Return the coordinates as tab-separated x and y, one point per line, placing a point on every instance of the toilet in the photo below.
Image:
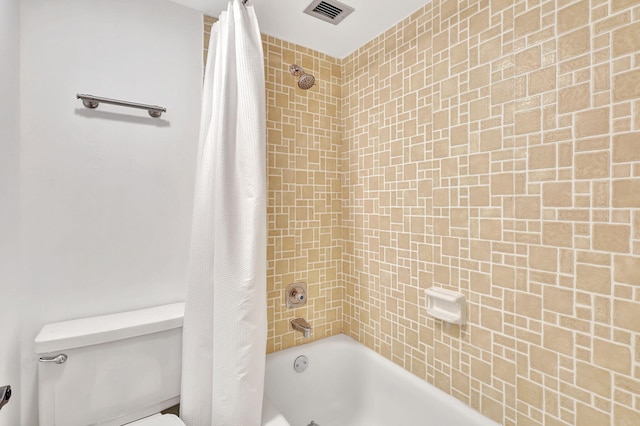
111	370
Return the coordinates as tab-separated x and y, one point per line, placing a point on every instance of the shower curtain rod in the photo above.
92	102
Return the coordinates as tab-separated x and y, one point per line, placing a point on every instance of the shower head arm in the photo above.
305	81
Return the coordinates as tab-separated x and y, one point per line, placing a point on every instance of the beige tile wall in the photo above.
493	147
304	143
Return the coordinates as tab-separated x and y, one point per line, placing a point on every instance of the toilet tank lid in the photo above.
77	333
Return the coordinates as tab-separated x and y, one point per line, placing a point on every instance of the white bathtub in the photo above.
347	384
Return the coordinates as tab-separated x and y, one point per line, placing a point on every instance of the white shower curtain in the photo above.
225	327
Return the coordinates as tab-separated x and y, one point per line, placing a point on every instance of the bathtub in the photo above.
347	384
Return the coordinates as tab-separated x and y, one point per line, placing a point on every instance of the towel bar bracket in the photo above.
90	104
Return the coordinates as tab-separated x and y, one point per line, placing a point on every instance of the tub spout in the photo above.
299	324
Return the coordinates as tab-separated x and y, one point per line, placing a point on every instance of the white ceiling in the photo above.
285	20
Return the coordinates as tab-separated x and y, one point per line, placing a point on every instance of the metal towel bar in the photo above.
91	101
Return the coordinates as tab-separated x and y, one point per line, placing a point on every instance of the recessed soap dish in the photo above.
447	305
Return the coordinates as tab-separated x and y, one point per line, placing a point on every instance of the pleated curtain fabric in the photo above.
225	326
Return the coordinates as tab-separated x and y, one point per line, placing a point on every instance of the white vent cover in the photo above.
328	10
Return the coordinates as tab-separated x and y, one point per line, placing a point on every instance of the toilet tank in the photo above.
119	368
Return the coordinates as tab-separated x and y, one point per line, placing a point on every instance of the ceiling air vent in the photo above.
328	10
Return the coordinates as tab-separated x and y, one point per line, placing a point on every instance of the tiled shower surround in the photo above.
304	145
488	147
493	148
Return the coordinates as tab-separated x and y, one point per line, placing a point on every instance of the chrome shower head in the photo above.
305	81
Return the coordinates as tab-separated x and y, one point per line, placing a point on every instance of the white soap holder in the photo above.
449	306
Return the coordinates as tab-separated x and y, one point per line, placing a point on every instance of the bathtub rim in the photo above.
343	339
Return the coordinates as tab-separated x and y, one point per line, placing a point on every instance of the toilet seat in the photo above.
158	420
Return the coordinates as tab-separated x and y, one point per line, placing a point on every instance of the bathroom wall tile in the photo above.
557	194
574	43
528	122
529	393
617	5
529	305
479	196
626	193
558	340
528	207
626	416
626	40
559	234
626	147
542	156
626	315
612	356
558	300
527	22
542	80
543	360
626	86
573	16
592	165
611	238
588	415
490	229
528	60
627	269
592	122
479	164
574	98
593	279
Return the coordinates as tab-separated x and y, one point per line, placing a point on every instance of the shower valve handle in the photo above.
297	295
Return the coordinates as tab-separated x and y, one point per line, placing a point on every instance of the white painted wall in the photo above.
106	194
9	179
